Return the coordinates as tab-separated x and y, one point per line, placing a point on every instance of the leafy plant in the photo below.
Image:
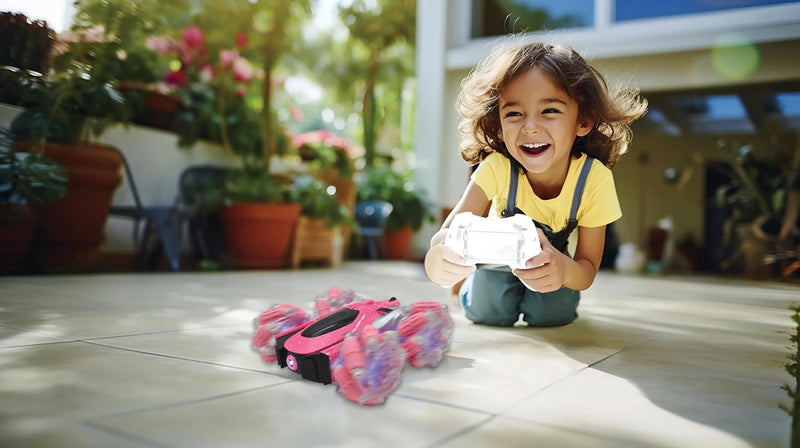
58	108
410	206
26	43
26	179
82	83
325	151
252	185
318	203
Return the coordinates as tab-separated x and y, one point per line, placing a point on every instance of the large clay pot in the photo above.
15	241
398	243
70	231
259	234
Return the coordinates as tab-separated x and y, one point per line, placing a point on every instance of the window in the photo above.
740	111
637	9
498	17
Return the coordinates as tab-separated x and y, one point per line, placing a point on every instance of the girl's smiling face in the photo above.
539	123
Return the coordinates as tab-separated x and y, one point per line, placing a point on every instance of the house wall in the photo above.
653	55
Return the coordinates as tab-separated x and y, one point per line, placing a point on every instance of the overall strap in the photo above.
578	194
511	203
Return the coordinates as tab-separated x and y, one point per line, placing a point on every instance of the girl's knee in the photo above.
491	319
554	309
483	308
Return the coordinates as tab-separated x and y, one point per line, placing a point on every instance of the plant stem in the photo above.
223	123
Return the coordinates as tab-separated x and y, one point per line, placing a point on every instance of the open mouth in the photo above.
534	149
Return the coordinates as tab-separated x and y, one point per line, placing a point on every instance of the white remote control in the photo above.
511	241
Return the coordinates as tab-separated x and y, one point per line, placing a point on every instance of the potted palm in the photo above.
410	205
25	180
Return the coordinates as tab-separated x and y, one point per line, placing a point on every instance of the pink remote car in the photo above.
360	345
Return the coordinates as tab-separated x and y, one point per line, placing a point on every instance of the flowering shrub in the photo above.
213	87
324	149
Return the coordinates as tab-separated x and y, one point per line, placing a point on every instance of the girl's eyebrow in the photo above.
544	101
554	100
509	104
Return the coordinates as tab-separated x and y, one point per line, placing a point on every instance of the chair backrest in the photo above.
197	179
372	214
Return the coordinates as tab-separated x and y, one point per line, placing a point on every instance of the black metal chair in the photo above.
150	221
371	217
205	229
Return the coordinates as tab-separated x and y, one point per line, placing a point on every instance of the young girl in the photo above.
546	131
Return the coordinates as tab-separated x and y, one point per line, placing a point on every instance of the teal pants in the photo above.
497	297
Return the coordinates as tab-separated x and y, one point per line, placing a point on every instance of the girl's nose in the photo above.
529	130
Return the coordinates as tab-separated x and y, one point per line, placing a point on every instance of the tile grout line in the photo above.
124	435
577	371
462	432
492	416
164	355
191	402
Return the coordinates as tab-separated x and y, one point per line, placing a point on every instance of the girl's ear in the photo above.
585	126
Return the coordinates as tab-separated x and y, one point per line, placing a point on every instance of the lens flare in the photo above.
734	56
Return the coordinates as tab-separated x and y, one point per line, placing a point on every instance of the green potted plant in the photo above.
410	209
259	214
25	179
324	221
137	66
329	158
64	112
256	207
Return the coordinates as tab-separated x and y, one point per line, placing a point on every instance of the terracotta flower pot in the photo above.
69	231
398	244
259	234
15	241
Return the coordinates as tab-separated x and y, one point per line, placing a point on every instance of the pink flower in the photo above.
193	36
226	59
207	73
322	136
241	40
242	71
240	91
175	78
161	45
296	113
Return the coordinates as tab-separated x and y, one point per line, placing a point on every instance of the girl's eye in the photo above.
512	114
550	111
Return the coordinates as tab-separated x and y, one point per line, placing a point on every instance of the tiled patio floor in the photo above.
152	360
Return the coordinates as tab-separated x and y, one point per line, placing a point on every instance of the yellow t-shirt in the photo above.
599	205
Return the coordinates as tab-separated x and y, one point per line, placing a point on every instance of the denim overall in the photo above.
495	296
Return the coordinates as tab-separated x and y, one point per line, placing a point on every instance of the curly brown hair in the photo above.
610	111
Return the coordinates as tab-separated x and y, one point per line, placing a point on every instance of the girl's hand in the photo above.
544	272
445	267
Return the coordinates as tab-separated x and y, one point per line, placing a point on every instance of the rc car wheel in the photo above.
334	299
426	334
367	368
273	322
